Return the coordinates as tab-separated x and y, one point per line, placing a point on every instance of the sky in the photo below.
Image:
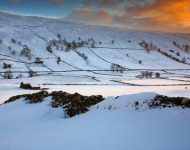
161	15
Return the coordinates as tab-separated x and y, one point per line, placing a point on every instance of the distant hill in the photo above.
43	44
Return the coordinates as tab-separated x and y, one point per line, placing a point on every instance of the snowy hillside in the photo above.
75	53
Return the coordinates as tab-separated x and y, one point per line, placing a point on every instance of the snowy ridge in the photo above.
76	104
23	125
137	101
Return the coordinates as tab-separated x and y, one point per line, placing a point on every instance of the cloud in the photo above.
15	1
176	11
161	14
87	3
57	2
102	3
170	15
110	3
123	21
100	17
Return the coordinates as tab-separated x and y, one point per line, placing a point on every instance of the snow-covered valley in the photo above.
124	66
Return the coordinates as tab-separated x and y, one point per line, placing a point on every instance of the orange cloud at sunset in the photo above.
164	15
170	15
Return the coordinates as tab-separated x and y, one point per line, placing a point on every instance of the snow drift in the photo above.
39	126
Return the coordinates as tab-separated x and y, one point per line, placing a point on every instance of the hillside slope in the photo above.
64	46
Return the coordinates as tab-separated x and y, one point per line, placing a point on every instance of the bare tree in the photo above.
58	60
150	74
8	75
68	47
121	69
177	53
116	67
187	47
157	75
49	49
146	74
32	73
13	52
112	67
26	52
143	74
37	59
74	45
59	36
92	45
19	76
183	60
5	66
13	40
9	47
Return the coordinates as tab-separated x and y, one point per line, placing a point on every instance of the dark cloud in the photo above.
87	3
110	3
102	3
123	21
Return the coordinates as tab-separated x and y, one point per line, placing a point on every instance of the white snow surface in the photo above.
36	32
113	124
39	126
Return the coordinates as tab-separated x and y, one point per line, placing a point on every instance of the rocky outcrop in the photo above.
37	97
13	98
164	101
73	104
32	98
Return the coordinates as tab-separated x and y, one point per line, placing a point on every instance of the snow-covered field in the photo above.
156	82
87	70
6	91
38	126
